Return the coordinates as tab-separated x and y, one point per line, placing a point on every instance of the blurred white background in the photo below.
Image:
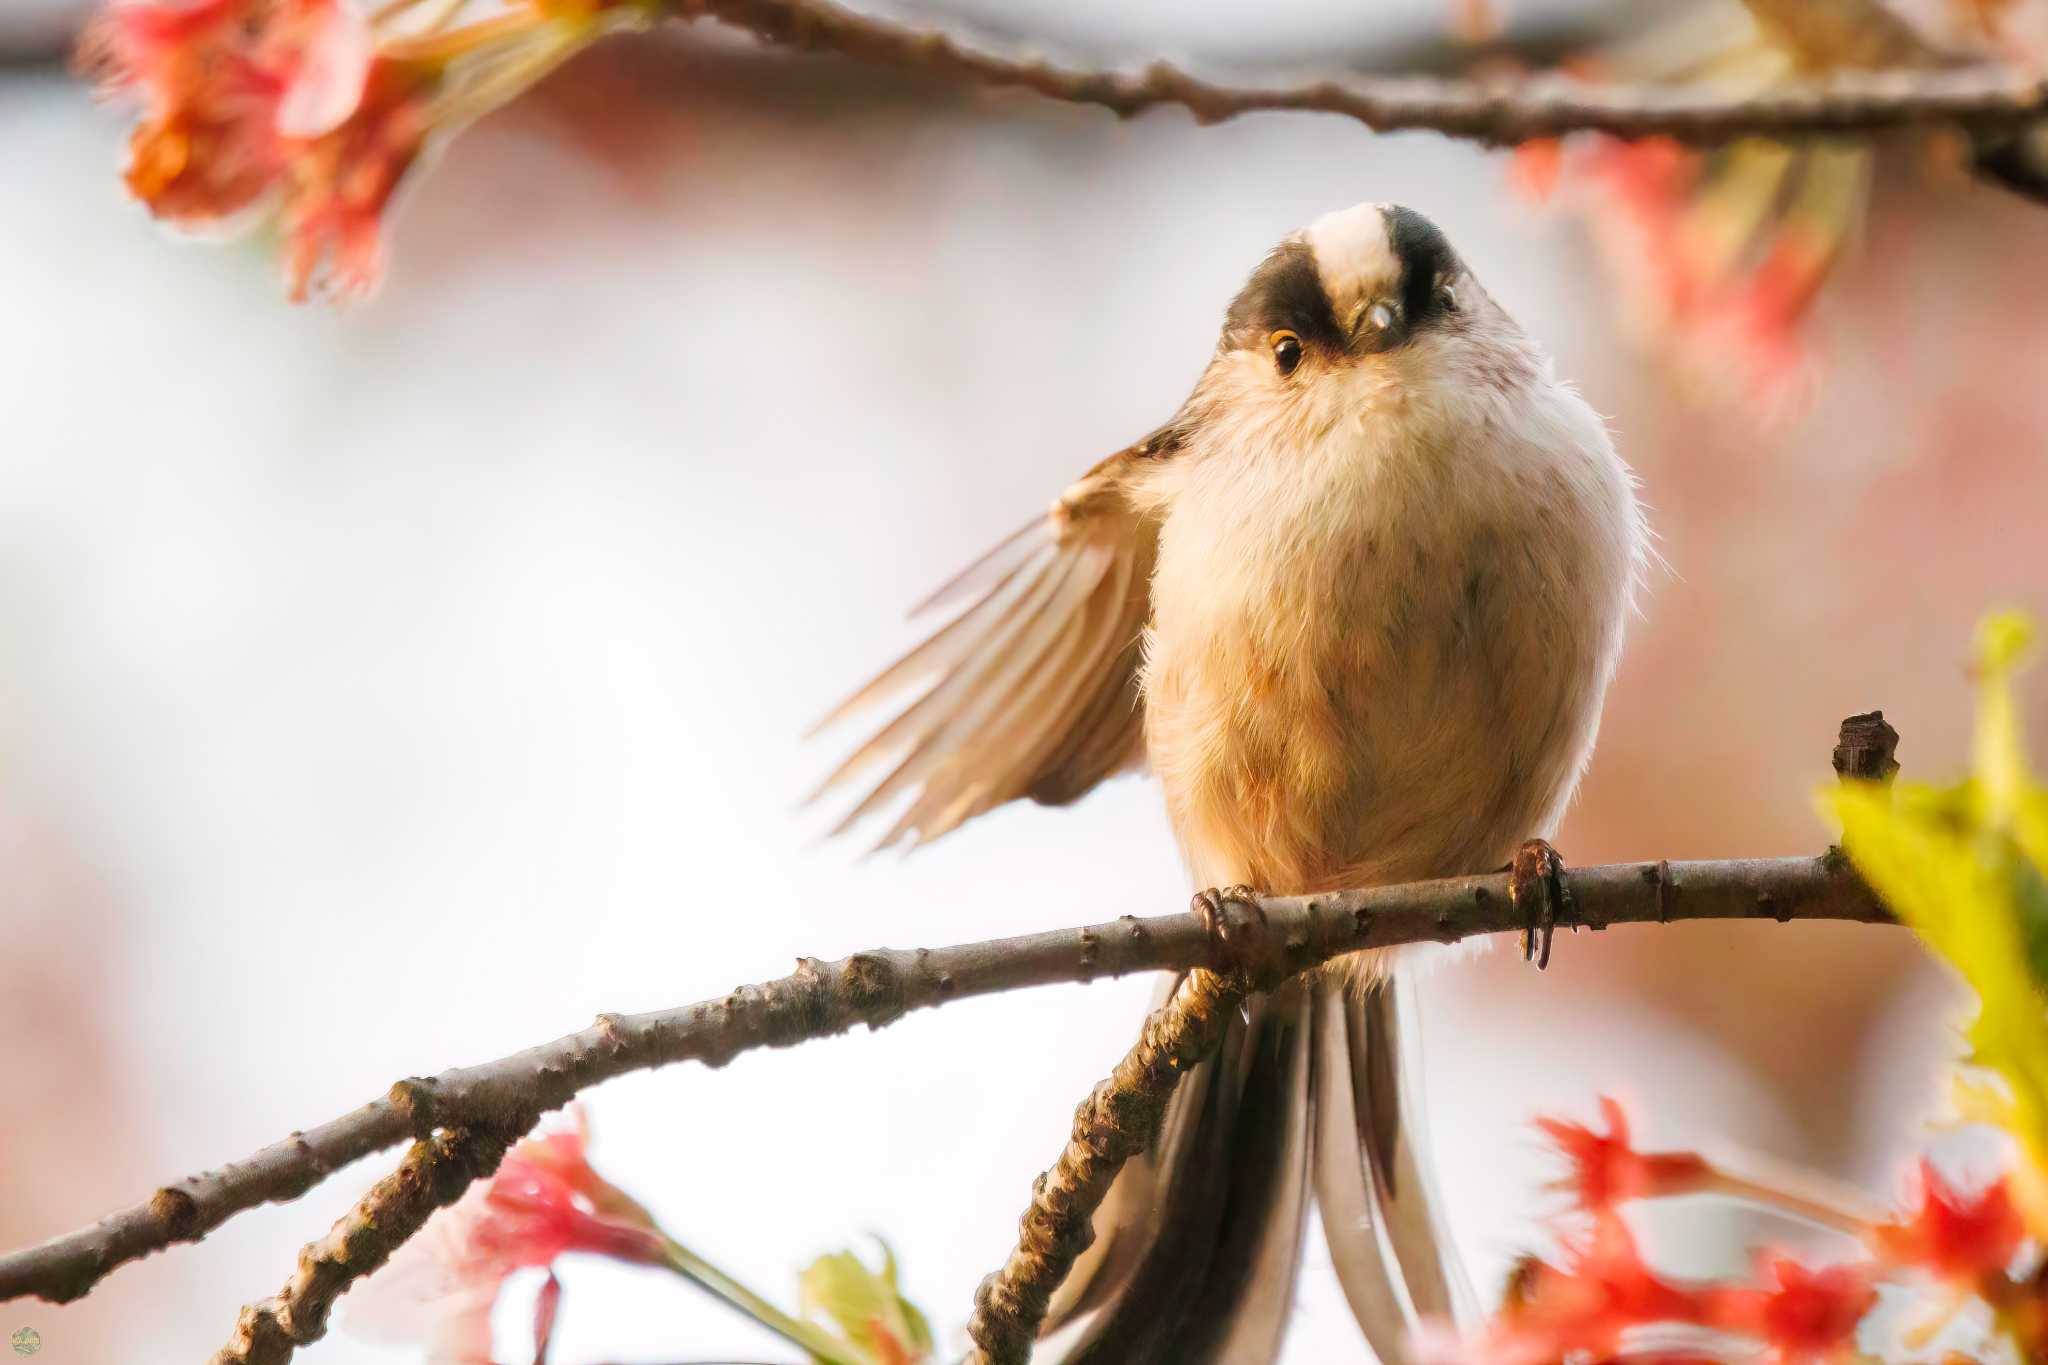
395	687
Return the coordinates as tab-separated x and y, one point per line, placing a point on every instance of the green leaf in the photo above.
2030	904
1967	866
865	1305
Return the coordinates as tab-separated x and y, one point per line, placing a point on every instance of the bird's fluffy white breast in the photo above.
1400	601
1251	509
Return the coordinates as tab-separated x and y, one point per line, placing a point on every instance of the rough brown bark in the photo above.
877	988
433	1174
1867	749
1116	1122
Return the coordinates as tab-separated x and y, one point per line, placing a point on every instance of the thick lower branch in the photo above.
877	988
1118	1120
1985	99
434	1174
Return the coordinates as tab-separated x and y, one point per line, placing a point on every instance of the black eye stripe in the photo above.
1426	261
1284	294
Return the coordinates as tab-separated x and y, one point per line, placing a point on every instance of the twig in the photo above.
1116	1122
1982	98
1867	749
434	1173
877	988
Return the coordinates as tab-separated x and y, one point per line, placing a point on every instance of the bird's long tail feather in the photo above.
1199	1242
1381	1213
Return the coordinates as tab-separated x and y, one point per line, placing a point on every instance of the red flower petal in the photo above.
546	1306
1955	1236
333	67
544	1202
1607	1170
1585	1307
341	184
1805	1317
1535	168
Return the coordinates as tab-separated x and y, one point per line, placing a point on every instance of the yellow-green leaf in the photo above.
1967	866
866	1306
2003	642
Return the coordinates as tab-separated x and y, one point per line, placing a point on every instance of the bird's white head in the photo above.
1366	312
1355	285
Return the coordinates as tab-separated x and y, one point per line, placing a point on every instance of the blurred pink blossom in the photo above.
545	1202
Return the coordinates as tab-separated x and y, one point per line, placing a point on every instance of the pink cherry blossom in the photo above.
544	1202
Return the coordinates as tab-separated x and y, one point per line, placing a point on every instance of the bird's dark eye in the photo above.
1286	351
1448	297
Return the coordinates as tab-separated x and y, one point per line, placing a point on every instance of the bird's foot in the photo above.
1231	914
1537	885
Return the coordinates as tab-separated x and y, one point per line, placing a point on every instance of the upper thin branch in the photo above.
876	988
1984	99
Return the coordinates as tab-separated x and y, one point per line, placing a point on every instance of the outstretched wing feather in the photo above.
937	652
1034	721
958	701
1030	690
969	742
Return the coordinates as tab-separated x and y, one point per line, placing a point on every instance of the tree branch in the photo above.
434	1174
1982	98
1122	1115
1118	1120
877	988
1867	749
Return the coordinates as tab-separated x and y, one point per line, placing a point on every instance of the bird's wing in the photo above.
1031	689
